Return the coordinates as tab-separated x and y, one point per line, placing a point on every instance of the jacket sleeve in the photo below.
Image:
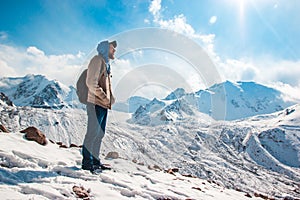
96	69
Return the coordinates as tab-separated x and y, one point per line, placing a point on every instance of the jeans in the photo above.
97	117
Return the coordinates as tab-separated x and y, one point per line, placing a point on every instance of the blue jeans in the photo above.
97	117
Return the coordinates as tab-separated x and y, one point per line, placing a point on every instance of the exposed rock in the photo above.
63	146
5	99
112	155
154	167
263	196
197	188
172	171
32	133
81	192
74	145
3	129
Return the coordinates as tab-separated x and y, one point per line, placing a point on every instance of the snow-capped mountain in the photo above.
178	93
224	101
239	100
131	105
37	91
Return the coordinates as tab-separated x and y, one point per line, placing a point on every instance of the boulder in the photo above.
81	192
32	133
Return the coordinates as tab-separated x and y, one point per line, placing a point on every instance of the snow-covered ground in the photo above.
259	155
31	171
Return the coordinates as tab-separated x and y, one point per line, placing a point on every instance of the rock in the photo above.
81	192
112	155
5	99
74	145
154	167
3	129
172	171
63	146
32	133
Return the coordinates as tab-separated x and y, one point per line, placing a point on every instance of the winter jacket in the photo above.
98	83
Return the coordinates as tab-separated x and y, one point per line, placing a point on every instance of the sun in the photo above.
240	7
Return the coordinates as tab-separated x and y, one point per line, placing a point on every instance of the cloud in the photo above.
281	75
154	8
289	93
35	51
179	24
235	70
5	69
279	71
264	71
16	62
213	19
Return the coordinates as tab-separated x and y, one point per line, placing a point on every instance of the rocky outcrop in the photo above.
32	133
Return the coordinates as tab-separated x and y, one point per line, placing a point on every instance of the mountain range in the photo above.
223	101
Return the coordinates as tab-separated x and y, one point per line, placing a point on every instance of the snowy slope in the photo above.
31	171
251	155
225	152
64	125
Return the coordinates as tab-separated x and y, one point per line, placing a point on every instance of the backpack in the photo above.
81	88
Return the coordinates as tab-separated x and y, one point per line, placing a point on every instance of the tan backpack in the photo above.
81	88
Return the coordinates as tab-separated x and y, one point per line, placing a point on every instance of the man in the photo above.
99	99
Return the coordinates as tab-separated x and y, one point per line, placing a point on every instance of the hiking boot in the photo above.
96	170
86	167
99	168
105	167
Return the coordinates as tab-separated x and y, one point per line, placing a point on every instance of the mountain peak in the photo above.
176	94
38	91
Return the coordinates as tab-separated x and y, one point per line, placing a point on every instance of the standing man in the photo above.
100	99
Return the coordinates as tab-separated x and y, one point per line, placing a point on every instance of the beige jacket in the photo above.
99	84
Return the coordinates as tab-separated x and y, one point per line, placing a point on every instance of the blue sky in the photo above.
251	40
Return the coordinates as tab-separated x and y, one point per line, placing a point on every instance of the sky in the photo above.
245	40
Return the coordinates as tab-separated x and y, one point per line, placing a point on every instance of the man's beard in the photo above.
111	56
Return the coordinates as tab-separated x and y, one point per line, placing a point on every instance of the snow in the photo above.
229	158
31	171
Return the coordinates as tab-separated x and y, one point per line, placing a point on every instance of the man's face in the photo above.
111	53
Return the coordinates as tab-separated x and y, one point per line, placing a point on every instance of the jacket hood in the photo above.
103	48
